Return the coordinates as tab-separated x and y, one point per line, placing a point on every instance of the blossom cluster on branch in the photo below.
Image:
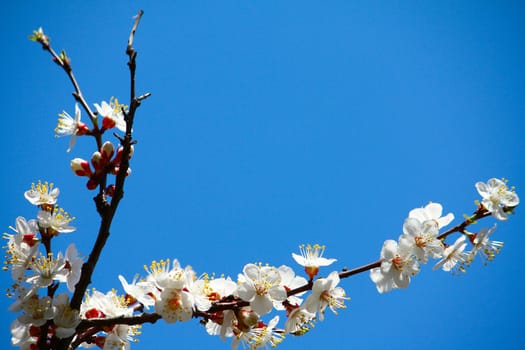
257	309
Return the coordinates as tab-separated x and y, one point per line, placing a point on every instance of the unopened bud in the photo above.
66	61
80	167
247	318
39	36
98	161
107	150
92	184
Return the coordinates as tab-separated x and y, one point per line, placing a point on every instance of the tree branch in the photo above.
107	212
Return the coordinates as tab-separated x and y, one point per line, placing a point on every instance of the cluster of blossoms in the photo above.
227	308
103	163
241	309
105	160
421	239
48	318
236	310
112	114
33	270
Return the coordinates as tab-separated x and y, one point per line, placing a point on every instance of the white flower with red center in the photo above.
261	286
483	246
112	114
290	281
496	196
142	291
300	321
223	324
423	238
432	211
312	258
21	247
46	270
65	318
100	305
118	339
69	126
73	265
198	290
162	276
220	288
454	256
42	194
57	221
261	336
21	336
325	293
36	310
397	266
109	305
174	305
220	322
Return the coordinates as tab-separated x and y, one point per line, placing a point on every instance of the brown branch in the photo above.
480	213
63	61
109	211
79	97
360	269
106	211
88	328
101	323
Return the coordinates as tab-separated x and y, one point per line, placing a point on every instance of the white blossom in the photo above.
496	195
312	258
42	193
65	318
261	286
453	255
325	293
36	310
69	126
397	267
432	211
299	321
57	220
483	245
422	237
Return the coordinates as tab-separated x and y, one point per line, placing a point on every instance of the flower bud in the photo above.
98	161
92	184
80	167
39	36
247	318
107	150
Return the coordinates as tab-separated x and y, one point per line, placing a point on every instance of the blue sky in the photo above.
276	123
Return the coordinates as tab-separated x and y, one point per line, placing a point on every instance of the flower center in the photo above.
311	271
420	241
398	262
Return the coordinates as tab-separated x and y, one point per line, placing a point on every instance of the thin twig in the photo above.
107	218
79	97
107	212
